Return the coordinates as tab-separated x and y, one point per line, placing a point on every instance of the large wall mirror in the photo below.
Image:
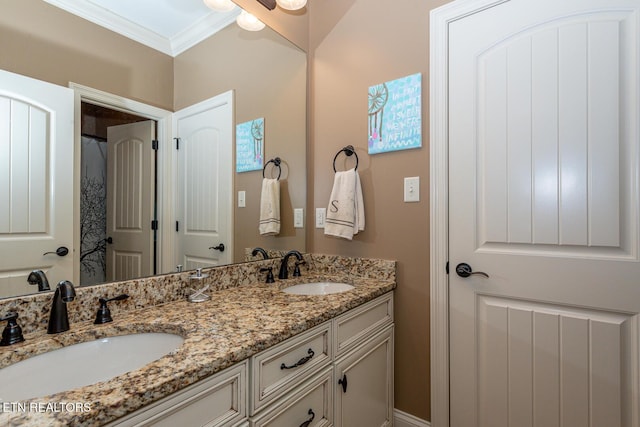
268	77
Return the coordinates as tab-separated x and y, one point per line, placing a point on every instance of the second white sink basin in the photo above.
318	288
83	364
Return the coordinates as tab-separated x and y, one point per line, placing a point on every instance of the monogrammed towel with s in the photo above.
345	214
270	207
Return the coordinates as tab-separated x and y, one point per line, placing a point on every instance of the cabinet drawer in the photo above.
356	325
313	400
282	367
216	401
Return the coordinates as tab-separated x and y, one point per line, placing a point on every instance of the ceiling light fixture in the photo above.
249	22
220	5
291	4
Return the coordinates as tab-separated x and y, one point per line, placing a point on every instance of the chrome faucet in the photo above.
37	277
59	317
284	271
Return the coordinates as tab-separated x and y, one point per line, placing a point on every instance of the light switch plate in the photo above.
321	214
412	189
242	199
298	218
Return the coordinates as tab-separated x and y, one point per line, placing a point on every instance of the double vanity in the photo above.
314	350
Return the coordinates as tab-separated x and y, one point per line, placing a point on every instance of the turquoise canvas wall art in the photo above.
395	115
250	145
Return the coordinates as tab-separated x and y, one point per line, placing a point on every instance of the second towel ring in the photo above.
276	162
349	151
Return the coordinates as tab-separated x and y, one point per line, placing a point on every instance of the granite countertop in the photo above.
233	325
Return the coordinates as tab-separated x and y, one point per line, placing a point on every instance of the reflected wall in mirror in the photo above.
265	71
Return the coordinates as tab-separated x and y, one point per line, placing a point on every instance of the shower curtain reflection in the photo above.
93	210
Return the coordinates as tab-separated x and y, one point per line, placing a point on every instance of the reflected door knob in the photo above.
464	270
61	251
220	247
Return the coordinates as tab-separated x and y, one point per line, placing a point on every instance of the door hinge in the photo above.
154	224
154	144
177	225
177	143
447	267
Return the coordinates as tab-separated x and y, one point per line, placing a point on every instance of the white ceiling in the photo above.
170	26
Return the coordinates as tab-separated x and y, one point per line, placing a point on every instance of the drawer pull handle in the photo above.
299	362
343	383
306	423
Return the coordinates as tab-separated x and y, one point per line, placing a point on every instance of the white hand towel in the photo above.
270	207
345	214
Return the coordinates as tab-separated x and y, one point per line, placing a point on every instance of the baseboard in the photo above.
402	419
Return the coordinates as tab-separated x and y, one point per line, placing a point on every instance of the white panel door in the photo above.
130	200
544	195
204	134
36	181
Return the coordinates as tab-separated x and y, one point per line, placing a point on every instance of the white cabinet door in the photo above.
364	384
204	213
36	181
543	196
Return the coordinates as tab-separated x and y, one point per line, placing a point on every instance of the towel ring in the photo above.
276	162
349	151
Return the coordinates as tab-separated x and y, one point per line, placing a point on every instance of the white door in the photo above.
543	197
130	200
36	182
204	137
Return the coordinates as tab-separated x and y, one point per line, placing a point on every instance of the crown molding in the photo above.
201	30
191	36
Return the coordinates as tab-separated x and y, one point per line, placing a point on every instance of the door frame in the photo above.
165	214
440	19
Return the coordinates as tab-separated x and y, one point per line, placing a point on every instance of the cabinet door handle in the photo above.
306	423
299	362
343	382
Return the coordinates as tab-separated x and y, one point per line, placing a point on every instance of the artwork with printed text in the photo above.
250	145
395	115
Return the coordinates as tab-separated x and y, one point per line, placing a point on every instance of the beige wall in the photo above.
355	44
47	43
268	76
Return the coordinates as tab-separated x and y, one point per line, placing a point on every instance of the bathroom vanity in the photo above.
339	373
252	355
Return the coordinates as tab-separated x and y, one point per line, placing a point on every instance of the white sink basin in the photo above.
83	364
318	288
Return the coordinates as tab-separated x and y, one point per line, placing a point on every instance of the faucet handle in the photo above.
12	333
296	270
270	278
104	314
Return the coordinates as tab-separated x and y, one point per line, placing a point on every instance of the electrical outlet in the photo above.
321	214
412	189
242	199
298	218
